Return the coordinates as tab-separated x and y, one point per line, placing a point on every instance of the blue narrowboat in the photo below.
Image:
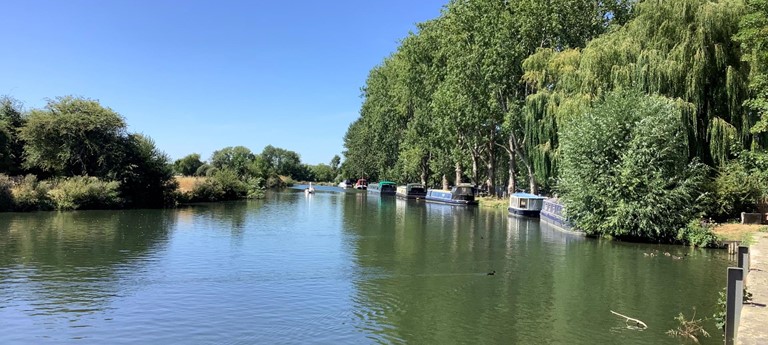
553	212
524	204
462	194
412	191
383	188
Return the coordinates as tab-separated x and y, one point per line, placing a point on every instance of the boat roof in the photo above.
386	182
527	196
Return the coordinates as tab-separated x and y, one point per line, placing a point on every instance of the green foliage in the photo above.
11	146
688	329
6	196
624	169
322	172
740	185
697	234
85	193
32	195
222	185
236	159
188	165
73	136
146	177
753	36
282	162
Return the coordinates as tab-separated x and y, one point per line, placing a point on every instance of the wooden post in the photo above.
743	260
733	302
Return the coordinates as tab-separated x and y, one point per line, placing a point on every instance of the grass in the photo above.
493	202
738	232
188	183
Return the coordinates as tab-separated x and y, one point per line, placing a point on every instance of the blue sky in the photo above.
197	76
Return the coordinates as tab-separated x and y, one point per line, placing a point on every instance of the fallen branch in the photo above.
636	321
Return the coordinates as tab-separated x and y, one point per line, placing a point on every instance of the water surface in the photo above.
336	267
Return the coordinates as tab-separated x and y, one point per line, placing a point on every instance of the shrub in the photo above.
83	192
31	195
6	197
697	234
625	172
223	185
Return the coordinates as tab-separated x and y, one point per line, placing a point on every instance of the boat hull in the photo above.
451	201
523	213
411	196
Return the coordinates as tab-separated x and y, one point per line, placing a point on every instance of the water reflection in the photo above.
70	265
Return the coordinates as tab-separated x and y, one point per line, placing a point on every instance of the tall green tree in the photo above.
188	165
238	159
753	36
11	146
73	136
145	174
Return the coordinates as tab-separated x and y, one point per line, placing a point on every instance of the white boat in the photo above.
310	190
346	184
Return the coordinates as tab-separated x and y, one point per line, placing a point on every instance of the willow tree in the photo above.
753	35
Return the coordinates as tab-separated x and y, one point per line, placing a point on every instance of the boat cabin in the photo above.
412	191
524	204
361	184
383	187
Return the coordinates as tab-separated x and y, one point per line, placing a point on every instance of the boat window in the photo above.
523	203
464	191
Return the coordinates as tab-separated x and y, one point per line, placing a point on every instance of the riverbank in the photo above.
492	202
739	232
754	316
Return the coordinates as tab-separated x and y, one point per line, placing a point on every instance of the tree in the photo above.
282	161
335	162
625	169
323	172
238	159
188	165
11	146
74	136
753	36
146	175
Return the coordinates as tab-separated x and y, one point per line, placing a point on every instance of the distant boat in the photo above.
524	204
346	184
412	191
383	188
310	190
462	194
361	184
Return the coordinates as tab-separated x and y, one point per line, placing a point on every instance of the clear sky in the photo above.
197	76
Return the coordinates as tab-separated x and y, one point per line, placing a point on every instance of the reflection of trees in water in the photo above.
75	262
233	216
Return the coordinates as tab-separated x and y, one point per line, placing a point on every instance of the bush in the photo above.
32	195
6	197
82	192
740	185
625	172
697	234
223	185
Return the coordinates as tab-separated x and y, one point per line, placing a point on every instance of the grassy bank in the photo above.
493	202
739	232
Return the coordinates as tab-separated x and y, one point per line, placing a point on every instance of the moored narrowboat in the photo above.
412	191
346	184
553	212
361	184
525	204
462	194
383	188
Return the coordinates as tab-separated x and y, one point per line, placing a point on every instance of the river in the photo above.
337	267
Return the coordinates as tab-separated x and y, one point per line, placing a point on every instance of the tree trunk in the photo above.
458	173
532	180
511	185
445	182
491	165
424	169
474	168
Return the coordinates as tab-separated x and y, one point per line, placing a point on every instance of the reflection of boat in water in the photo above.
524	204
412	191
462	194
382	187
346	184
